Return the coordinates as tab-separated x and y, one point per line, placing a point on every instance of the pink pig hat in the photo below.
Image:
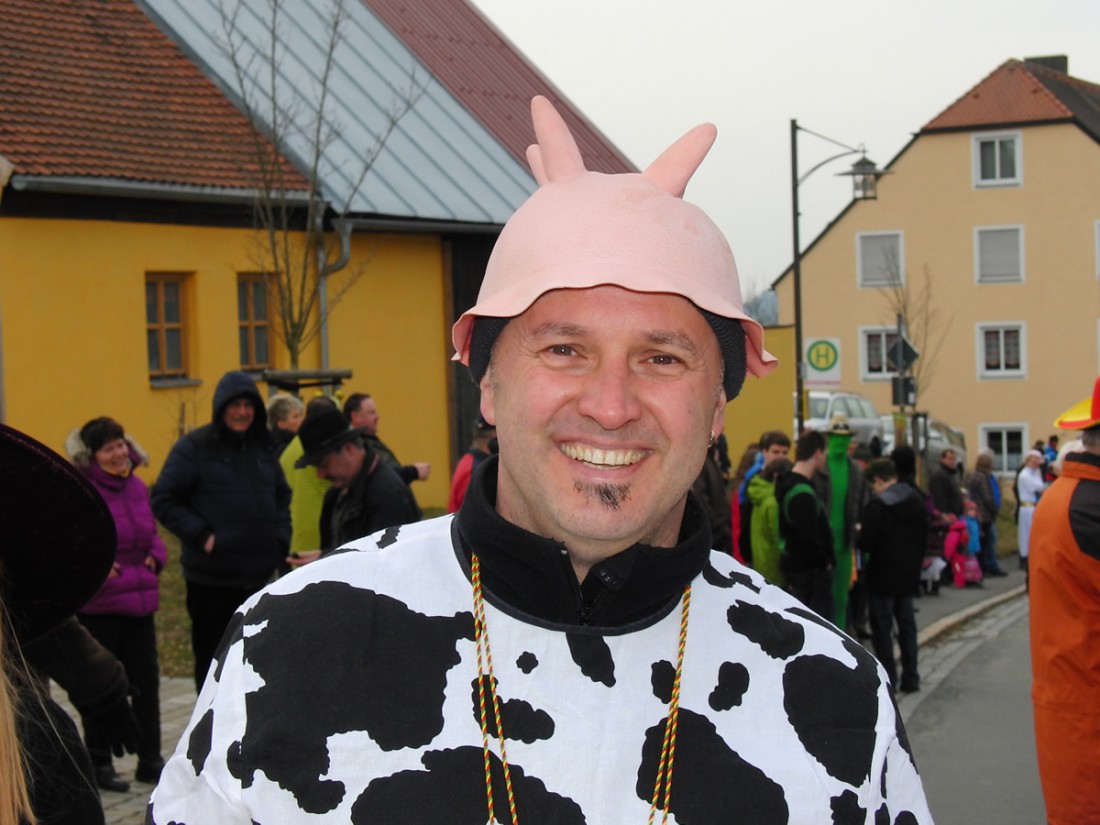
583	229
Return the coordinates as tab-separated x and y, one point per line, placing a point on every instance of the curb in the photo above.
933	631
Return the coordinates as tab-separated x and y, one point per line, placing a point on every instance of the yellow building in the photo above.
130	280
986	237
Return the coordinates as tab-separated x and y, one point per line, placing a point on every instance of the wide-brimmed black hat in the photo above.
57	537
323	433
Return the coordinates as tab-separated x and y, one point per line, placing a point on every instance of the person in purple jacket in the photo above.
120	615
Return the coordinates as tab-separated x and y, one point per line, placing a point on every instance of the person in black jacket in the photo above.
892	537
807	557
945	485
367	494
222	492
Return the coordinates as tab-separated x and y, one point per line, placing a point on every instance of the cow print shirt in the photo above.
347	692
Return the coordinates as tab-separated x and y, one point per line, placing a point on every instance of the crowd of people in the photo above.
261	489
855	536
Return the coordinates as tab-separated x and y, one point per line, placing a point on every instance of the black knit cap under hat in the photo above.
49	566
731	340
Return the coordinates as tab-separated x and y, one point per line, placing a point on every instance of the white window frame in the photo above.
985	326
1025	441
978	230
892	233
865	373
976	159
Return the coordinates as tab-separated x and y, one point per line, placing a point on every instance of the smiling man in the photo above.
567	643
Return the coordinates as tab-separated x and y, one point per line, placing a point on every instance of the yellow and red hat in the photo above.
1084	415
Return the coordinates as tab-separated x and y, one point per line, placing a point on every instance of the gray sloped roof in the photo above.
438	163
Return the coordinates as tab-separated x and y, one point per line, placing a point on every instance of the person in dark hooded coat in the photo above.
892	537
223	494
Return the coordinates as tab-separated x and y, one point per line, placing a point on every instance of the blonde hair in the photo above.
15	803
280	406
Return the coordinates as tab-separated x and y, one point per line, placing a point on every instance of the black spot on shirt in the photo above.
199	743
780	638
592	656
903	737
451	789
397	671
663	677
527	662
809	615
235	766
712	576
833	709
520	719
389	536
846	809
733	681
711	783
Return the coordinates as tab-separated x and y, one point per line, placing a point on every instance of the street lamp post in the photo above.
865	177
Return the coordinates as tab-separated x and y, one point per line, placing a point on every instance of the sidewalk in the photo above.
935	616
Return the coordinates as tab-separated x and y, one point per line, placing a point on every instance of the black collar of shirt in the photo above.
534	575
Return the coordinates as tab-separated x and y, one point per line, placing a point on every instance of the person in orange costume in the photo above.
1065	627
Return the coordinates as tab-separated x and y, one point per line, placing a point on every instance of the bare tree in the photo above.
292	247
913	299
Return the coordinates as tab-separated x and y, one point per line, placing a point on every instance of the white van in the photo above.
863	418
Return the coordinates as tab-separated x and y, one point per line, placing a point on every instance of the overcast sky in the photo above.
868	72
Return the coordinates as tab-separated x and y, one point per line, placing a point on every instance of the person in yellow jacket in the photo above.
1065	627
307	494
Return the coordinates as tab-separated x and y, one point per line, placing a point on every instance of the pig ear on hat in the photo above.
674	168
556	157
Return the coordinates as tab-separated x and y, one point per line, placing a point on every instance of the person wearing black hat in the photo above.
366	495
222	492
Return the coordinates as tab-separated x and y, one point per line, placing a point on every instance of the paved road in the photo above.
937	618
970	727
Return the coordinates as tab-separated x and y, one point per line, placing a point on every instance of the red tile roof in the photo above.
1020	92
91	88
489	75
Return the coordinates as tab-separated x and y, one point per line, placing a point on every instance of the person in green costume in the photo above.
846	498
764	524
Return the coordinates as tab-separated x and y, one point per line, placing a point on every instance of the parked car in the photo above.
863	418
940	436
936	437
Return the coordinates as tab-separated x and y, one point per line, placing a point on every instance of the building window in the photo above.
997	159
879	257
1006	442
999	254
252	314
1002	351
875	344
164	331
